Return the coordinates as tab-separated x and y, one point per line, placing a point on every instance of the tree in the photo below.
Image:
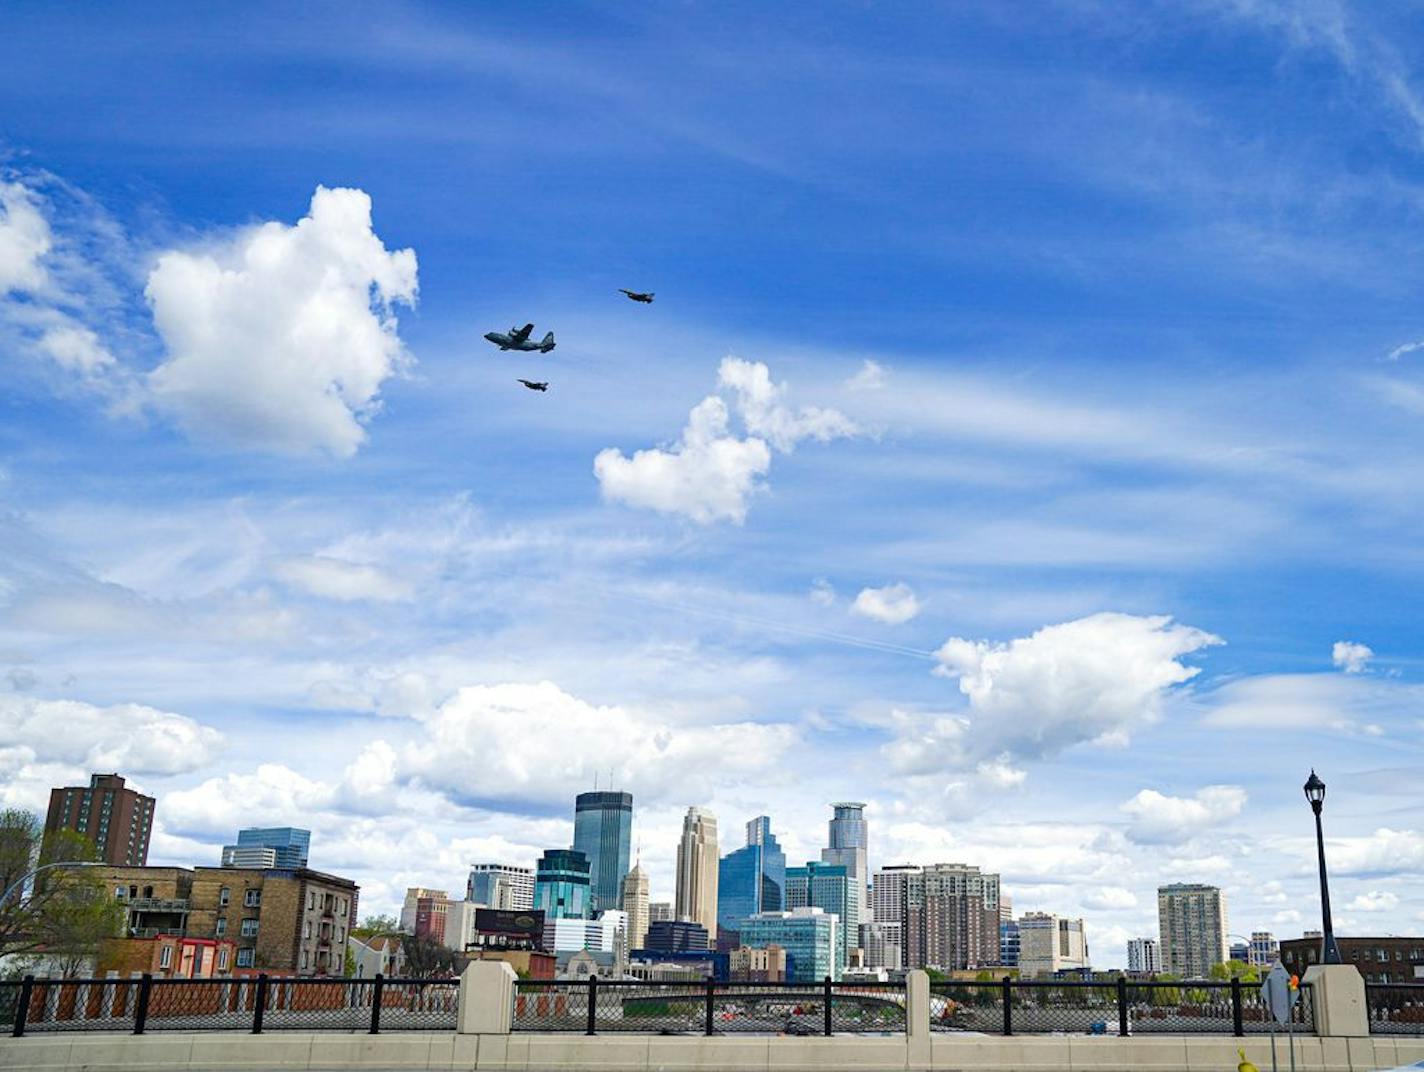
64	913
425	958
376	927
1235	969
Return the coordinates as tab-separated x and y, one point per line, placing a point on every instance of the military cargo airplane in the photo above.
518	339
535	386
636	296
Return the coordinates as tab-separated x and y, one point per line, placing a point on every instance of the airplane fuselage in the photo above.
508	342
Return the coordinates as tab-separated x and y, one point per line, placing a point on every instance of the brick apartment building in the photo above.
117	820
1380	960
291	922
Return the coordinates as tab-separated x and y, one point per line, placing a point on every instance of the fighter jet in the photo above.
518	339
633	295
535	386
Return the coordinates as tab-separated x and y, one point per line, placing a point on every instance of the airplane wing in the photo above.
520	334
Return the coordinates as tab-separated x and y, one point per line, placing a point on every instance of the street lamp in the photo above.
4	897
1315	793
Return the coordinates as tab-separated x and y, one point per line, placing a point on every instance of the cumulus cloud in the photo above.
711	473
531	742
280	337
24	239
1385	852
1110	898
126	737
1350	656
334	578
1374	901
707	476
1093	678
1157	819
892	604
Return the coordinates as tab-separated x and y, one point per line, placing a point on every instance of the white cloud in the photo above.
822	594
333	578
871	377
1345	703
1110	898
1404	348
759	401
1287	915
1079	681
1385	852
532	742
893	604
1350	656
708	476
130	738
24	239
1374	901
1160	819
710	473
281	337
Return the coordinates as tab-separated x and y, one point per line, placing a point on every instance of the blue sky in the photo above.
1063	423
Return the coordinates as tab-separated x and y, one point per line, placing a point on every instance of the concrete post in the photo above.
1337	992
486	998
917	1018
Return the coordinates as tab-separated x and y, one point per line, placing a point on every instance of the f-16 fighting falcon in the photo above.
633	295
535	386
518	339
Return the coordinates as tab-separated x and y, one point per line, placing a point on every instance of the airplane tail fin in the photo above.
548	343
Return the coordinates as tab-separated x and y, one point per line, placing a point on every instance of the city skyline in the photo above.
1020	442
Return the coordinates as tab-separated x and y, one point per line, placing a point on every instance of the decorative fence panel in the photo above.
1395	1008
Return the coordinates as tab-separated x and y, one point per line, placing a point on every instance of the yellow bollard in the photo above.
1245	1065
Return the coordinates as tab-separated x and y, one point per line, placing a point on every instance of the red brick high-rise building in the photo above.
117	820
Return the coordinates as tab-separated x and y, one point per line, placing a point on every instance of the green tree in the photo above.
426	958
376	927
1235	969
64	913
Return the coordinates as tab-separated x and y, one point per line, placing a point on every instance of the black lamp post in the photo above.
1315	793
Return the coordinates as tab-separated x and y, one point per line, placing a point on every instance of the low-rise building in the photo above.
166	956
1050	944
807	934
675	936
381	954
764	965
1380	960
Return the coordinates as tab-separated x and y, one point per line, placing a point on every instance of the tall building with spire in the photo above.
603	832
848	846
697	868
635	905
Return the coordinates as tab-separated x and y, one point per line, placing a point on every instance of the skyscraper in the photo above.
752	879
561	886
807	934
1191	919
829	888
504	886
117	820
1144	955
603	832
949	914
848	846
635	904
289	847
889	903
697	868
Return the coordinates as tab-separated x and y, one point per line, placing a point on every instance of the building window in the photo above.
251	898
148	891
165	957
306	929
221	927
249	928
222	960
133	892
244	958
224	895
311	901
119	892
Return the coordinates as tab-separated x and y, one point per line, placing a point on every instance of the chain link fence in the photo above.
1395	1008
250	1003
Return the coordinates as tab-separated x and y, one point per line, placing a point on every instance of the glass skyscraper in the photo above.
807	934
603	832
827	887
290	844
561	886
752	879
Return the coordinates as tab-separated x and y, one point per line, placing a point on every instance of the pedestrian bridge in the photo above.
488	1036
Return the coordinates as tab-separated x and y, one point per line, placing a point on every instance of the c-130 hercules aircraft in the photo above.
518	339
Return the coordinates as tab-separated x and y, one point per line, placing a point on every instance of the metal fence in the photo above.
1025	1007
256	1004
595	1007
1395	1008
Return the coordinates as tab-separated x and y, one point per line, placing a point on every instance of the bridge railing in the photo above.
596	1006
251	1003
1121	1007
1395	1008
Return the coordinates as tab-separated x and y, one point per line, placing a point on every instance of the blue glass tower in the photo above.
561	885
752	879
292	844
829	888
603	832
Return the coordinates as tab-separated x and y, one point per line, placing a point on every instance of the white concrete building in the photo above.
1049	943
505	886
1144	955
1191	921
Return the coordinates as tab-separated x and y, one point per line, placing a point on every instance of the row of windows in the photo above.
250	898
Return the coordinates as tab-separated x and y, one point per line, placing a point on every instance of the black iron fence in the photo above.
1395	1008
1123	1007
256	1004
595	1006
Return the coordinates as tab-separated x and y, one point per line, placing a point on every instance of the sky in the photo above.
1025	438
